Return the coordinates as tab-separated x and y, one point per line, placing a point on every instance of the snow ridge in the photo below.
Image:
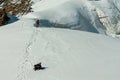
98	16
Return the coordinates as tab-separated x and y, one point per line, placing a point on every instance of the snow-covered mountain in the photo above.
66	54
99	16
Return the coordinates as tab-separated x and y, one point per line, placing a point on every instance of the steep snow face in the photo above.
99	16
70	14
66	54
109	13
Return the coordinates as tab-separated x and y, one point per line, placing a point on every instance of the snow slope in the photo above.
70	14
66	54
98	16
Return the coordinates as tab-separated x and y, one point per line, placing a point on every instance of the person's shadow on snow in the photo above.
44	23
47	23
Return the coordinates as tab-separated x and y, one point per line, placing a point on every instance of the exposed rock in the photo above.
3	17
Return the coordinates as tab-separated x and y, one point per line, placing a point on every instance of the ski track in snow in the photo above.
27	64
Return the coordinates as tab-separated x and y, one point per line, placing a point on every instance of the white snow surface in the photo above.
98	16
66	54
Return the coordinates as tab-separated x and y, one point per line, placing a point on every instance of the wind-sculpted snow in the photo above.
98	16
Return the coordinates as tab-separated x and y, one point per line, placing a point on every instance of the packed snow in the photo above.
65	53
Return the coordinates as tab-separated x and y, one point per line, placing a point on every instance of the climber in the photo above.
37	23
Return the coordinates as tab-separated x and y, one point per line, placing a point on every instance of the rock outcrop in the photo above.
3	17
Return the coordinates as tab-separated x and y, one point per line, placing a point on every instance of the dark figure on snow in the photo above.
38	67
37	23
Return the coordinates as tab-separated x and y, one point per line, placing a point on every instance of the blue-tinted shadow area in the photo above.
12	19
